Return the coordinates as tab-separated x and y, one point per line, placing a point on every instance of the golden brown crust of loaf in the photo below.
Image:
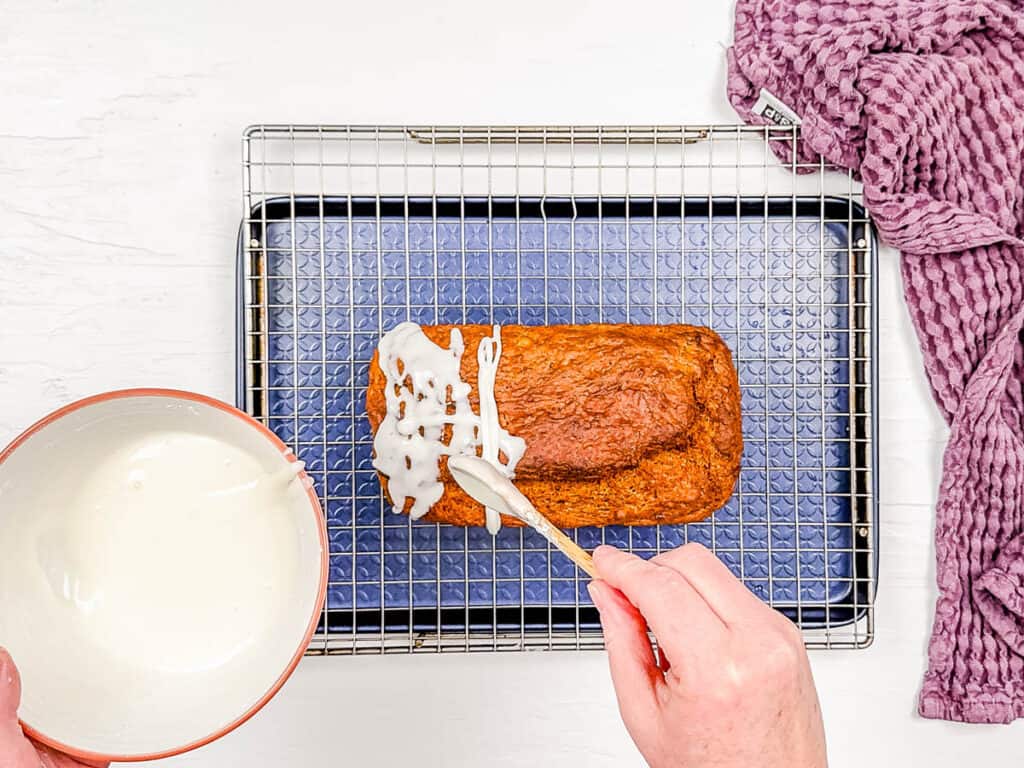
624	424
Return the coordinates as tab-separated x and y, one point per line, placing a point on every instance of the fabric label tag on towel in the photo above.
773	110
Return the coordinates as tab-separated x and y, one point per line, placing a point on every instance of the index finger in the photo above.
725	594
681	620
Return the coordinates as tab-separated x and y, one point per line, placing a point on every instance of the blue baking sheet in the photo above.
775	287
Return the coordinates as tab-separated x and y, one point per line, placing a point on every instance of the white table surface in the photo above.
120	196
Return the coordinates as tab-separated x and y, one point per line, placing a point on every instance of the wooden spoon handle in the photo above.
571	549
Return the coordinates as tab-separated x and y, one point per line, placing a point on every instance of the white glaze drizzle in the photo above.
488	355
422	383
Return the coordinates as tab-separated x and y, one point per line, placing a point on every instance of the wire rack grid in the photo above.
349	230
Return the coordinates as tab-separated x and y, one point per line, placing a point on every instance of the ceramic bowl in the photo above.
163	563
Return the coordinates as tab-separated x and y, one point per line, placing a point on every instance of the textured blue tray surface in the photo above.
775	290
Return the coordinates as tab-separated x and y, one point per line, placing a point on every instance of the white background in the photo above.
120	195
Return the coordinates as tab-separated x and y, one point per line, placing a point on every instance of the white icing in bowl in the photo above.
164	566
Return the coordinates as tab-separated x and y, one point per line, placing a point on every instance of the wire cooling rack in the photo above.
349	230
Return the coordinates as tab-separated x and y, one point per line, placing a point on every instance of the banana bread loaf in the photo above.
623	424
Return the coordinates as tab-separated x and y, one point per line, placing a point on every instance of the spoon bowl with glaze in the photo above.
488	485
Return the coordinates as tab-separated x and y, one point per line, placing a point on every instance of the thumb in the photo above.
10	688
635	674
15	750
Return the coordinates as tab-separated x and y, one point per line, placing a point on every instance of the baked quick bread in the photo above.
623	424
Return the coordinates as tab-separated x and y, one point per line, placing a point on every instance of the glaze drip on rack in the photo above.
425	394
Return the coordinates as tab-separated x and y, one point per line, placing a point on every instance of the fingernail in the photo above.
596	594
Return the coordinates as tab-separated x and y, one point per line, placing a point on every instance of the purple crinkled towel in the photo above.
924	100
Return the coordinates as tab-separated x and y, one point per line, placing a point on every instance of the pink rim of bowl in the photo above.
314	503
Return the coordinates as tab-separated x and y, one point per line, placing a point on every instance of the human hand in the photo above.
734	685
16	750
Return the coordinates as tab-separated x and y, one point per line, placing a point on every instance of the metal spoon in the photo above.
487	485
